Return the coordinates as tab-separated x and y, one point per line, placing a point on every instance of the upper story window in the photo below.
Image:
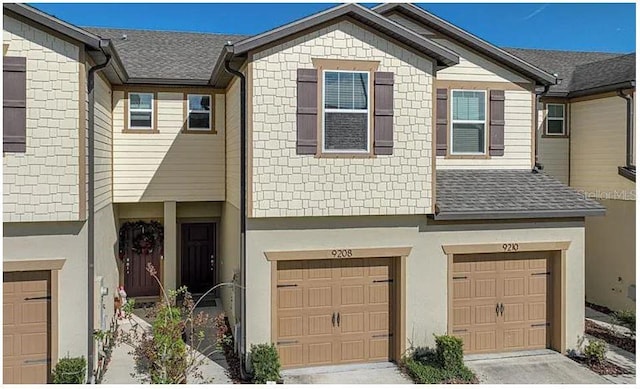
199	112
141	111
555	119
468	122
346	118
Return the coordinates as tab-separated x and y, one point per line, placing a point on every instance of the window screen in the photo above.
346	111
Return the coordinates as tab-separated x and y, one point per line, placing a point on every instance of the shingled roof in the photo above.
579	70
503	194
167	55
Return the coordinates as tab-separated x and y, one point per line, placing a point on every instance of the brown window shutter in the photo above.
442	109
307	113
383	112
14	104
496	128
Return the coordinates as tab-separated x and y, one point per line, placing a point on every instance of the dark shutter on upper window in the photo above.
307	112
441	121
14	104
383	112
496	127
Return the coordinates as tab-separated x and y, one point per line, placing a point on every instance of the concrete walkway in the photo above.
370	373
122	367
605	320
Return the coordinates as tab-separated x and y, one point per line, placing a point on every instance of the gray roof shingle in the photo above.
504	194
580	70
166	54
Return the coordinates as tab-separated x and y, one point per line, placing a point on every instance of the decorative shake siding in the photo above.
168	165
286	184
518	135
103	144
598	144
473	67
42	184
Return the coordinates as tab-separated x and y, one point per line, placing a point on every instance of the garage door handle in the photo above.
333	319
38	298
501	309
36	361
338	319
497	309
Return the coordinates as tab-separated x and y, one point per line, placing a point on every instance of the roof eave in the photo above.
443	55
603	89
69	30
487	48
497	214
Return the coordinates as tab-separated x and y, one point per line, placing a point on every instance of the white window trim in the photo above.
330	110
189	111
484	122
153	97
564	114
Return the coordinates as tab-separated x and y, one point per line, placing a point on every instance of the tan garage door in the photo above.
501	303
26	327
333	311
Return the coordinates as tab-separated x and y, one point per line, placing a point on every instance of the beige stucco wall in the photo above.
169	165
610	258
229	263
42	184
426	301
57	240
106	263
598	146
518	136
286	184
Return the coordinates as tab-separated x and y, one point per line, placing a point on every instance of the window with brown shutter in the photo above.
307	112
496	124
441	121
383	110
14	105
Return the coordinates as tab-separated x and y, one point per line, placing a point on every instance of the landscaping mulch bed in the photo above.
606	368
232	359
606	334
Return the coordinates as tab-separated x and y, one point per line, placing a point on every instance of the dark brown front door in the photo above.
198	260
137	280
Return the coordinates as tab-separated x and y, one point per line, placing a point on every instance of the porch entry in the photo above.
198	256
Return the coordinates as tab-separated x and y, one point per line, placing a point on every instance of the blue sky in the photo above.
572	26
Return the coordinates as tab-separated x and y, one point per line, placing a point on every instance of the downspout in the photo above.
630	140
537	166
91	208
243	211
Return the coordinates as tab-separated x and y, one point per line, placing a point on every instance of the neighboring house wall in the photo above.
43	184
426	266
168	164
598	146
286	184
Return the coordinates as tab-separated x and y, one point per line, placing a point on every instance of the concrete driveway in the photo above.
370	373
536	367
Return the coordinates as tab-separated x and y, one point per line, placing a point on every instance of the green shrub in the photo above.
595	352
265	363
70	371
449	352
626	318
170	350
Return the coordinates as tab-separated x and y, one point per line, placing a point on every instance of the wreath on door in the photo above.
145	237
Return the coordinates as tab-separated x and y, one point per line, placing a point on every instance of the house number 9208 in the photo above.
510	247
347	253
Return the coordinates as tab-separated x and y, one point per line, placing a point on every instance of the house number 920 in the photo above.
510	247
342	253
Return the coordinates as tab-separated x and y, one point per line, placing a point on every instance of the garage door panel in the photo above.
358	289
26	327
517	284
